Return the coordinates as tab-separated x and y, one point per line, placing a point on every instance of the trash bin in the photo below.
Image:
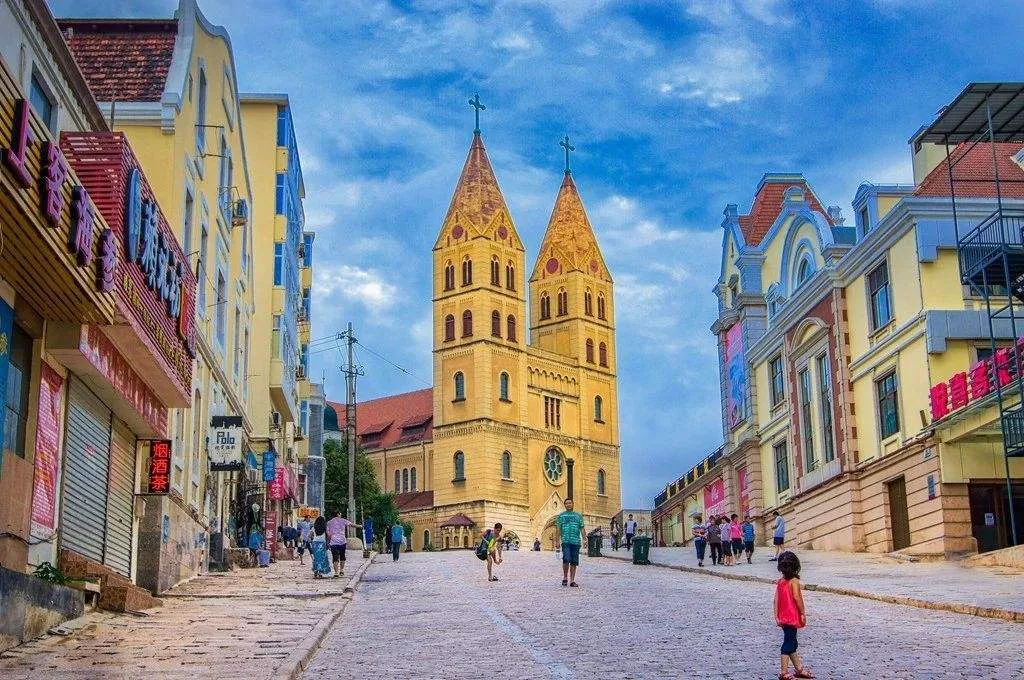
641	550
594	545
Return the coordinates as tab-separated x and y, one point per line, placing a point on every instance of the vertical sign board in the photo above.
225	447
276	487
44	487
270	530
714	497
160	466
736	370
6	334
741	475
269	466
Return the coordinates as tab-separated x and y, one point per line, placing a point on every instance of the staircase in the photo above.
117	593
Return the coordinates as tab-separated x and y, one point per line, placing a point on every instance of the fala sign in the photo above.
225	447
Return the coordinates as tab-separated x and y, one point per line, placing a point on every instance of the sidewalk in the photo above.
251	623
980	591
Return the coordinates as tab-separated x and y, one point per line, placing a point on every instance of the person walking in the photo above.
748	537
615	532
714	534
305	536
726	540
387	538
700	539
778	535
736	534
318	549
630	532
790	615
489	550
397	540
337	537
571	534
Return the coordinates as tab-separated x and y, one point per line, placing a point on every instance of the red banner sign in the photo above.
44	488
714	498
276	487
980	381
741	475
160	466
270	530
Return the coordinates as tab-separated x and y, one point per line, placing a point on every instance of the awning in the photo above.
966	117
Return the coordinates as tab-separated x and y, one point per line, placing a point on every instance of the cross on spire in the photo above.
568	147
475	103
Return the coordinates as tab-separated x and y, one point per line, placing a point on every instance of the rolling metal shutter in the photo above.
120	499
86	461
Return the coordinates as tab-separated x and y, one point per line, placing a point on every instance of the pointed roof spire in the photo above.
569	242
477	198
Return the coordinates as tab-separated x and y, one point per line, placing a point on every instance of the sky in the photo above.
676	109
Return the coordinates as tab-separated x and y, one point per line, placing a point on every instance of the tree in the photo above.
370	500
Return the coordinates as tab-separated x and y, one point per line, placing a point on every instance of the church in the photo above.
515	422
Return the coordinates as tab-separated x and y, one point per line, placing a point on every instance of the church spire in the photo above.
569	243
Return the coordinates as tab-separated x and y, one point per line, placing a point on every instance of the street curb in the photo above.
293	668
956	608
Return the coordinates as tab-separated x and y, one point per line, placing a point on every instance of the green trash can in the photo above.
593	545
641	550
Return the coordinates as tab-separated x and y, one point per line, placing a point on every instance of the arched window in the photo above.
467	324
588	303
602	354
467	271
460	386
449	275
447	542
598	403
496	324
590	351
449	327
600	306
510	276
506	465
563	302
398	481
545	306
805	269
405	480
426	538
412	479
600	482
503	386
460	466
495	271
554	464
511	328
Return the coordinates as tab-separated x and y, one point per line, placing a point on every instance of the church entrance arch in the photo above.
512	538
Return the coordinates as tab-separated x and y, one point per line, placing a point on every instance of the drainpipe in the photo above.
569	462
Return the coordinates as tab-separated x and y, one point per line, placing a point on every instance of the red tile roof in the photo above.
768	205
388	416
458	520
125	61
973	176
416	500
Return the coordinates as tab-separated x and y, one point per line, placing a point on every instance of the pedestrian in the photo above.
571	533
536	544
748	537
714	534
255	545
790	615
778	535
318	549
700	539
615	532
305	536
387	537
337	537
723	527
397	539
630	532
489	549
736	533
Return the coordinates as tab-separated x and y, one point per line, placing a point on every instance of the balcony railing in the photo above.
1001	230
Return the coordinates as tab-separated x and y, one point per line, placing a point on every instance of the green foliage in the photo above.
370	500
429	547
49	573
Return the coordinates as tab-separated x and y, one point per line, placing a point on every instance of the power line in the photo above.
393	364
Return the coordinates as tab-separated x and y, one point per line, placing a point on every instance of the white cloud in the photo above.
720	70
624	226
365	287
515	41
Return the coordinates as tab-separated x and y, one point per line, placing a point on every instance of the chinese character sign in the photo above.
275	487
269	466
225	448
160	466
44	488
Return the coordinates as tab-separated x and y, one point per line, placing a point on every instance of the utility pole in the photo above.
351	371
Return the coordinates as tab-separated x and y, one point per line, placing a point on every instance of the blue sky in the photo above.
675	109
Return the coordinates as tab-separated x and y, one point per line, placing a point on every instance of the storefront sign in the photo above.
741	475
225	447
714	497
44	487
270	530
269	466
160	466
276	487
980	381
105	358
308	512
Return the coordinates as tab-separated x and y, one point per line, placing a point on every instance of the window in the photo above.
467	271
553	413
598	404
878	287
495	271
511	323
506	465
237	347
545	306
460	386
398	481
41	102
449	276
186	228
600	306
828	448
460	466
226	179
804	270
590	351
222	309
602	354
600	482
467	324
865	220
554	464
804	378
307	307
201	113
778	387
563	302
278	264
245	364
588	303
426	538
204	234
510	276
496	324
405	480
503	386
15	402
412	479
781	467
449	328
888	405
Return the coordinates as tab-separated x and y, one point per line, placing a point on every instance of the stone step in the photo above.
130	598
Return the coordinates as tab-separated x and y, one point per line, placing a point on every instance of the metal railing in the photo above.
1000	230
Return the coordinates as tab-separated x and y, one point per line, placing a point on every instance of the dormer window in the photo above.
865	220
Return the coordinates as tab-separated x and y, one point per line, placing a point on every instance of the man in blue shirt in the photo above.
748	537
570	528
397	539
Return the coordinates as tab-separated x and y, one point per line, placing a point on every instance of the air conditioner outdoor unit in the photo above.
239	212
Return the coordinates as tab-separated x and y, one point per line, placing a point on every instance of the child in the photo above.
736	533
726	540
790	615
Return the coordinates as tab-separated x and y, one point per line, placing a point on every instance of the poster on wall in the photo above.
225	448
744	492
44	486
736	372
714	498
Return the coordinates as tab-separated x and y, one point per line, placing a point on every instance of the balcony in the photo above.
981	250
282	391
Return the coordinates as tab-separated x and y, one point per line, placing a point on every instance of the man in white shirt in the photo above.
630	532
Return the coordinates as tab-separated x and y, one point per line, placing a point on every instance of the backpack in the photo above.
482	548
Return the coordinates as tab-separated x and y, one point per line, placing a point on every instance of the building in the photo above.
170	86
314	467
513	425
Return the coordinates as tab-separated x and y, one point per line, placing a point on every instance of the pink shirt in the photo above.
735	531
336	530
